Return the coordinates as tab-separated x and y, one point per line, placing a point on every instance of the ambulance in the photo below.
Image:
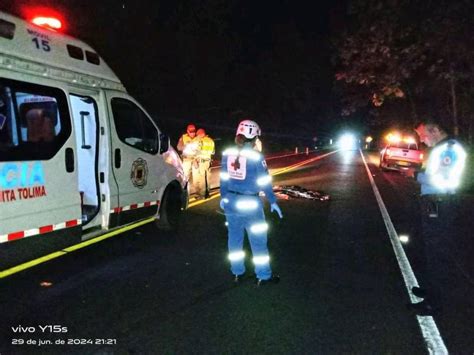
79	157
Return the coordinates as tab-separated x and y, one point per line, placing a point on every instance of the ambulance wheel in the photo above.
170	209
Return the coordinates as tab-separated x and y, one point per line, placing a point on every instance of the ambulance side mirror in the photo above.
164	143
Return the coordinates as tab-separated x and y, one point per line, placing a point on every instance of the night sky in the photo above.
214	62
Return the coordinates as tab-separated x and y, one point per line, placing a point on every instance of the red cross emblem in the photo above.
236	164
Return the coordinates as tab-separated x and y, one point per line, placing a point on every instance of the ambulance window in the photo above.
92	58
34	121
75	52
7	29
133	126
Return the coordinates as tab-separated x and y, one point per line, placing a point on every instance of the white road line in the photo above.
429	330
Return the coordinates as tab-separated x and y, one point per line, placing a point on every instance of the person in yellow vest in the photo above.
189	146
201	170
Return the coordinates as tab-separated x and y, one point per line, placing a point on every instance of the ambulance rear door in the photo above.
39	199
136	161
91	154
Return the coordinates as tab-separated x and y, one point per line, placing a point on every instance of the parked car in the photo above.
401	154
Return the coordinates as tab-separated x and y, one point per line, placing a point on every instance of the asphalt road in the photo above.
341	288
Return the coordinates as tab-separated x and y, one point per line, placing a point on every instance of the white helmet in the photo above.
248	128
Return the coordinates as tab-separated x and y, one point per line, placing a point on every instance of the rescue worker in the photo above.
201	167
243	175
439	209
188	145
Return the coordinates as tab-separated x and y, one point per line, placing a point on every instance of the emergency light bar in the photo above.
394	137
51	23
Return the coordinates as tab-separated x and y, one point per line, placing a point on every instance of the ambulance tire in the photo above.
170	209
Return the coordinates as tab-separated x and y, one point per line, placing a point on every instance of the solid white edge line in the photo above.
429	330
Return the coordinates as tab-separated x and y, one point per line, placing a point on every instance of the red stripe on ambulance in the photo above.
134	206
16	235
72	223
41	230
45	229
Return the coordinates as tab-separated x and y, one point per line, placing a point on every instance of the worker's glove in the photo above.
275	207
222	203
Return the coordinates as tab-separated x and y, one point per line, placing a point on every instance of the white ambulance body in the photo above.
78	155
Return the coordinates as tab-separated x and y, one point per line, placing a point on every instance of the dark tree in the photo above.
416	54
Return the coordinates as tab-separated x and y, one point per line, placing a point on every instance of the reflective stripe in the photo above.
452	178
247	153
442	183
251	154
246	204
225	200
231	151
264	180
40	230
259	227
261	260
224	176
207	144
236	256
134	206
207	148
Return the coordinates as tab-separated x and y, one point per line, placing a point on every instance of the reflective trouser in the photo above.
240	221
187	167
201	172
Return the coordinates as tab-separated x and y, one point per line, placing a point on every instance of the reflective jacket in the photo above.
189	147
244	172
444	168
207	148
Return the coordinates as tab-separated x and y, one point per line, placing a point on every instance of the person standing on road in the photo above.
201	167
439	209
243	175
188	145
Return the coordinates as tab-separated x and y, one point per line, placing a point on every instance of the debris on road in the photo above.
285	192
46	284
